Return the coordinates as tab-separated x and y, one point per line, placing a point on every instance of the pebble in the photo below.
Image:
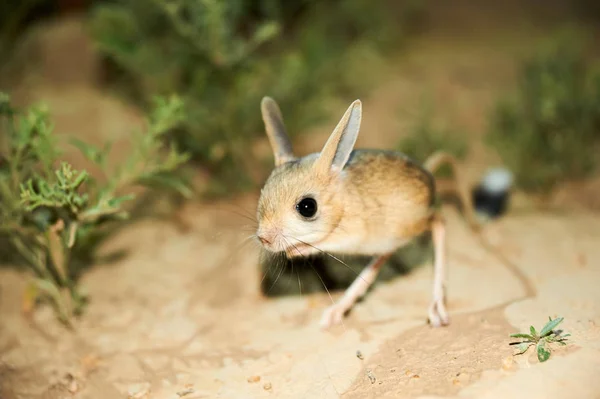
371	376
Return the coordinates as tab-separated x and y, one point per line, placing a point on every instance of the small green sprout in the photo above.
541	340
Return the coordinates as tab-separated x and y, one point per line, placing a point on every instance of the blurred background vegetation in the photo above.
548	129
219	58
224	56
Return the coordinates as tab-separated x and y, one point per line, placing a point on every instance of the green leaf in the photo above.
542	353
80	179
89	151
522	348
266	32
167	181
533	332
551	325
551	338
116	202
524	336
168	112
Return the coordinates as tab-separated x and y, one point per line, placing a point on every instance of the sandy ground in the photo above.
181	315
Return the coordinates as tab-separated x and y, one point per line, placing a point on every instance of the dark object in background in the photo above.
491	196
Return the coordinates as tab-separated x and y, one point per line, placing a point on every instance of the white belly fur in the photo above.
354	245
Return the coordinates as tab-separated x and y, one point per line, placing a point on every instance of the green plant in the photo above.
548	131
425	138
50	211
222	57
541	340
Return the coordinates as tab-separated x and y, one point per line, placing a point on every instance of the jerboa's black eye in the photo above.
307	207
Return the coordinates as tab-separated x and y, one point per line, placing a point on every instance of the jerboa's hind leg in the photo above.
438	316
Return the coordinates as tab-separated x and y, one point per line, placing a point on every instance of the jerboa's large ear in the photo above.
278	138
338	147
